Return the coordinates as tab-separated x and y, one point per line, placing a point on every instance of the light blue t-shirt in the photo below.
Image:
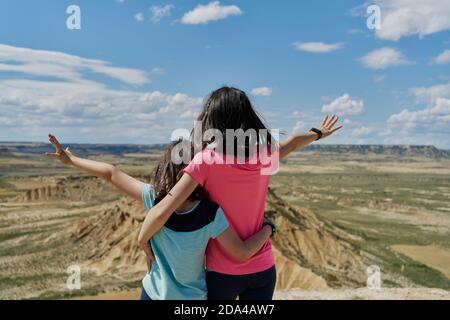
179	249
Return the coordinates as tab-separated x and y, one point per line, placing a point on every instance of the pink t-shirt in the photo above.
241	190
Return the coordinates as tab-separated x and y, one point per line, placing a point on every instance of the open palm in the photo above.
327	126
60	154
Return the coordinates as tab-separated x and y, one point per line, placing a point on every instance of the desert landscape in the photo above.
339	210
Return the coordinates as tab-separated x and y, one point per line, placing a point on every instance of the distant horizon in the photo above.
165	143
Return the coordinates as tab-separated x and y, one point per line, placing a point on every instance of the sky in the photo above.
136	70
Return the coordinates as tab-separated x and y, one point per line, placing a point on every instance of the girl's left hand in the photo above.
327	126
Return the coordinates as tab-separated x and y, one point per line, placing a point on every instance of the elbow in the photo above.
111	173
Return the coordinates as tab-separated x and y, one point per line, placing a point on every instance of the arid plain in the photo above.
339	209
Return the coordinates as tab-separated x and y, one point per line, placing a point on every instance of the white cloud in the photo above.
84	110
160	12
299	126
383	58
362	131
434	116
430	94
443	58
114	115
429	125
262	91
401	18
344	105
213	11
139	17
317	47
61	65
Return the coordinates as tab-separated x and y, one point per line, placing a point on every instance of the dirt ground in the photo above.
435	257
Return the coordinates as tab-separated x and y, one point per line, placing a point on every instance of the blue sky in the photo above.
139	69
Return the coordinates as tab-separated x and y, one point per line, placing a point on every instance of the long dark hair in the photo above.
230	108
167	173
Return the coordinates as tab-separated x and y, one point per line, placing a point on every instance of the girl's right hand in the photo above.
65	156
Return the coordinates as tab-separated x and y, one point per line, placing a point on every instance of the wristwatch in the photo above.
272	225
318	132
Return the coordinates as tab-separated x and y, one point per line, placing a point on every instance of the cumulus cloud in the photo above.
81	108
317	47
344	105
431	121
114	114
383	58
63	66
443	58
160	12
299	126
139	17
262	91
213	11
434	116
362	131
401	18
430	94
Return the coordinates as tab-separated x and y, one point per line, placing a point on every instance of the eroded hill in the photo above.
309	253
336	214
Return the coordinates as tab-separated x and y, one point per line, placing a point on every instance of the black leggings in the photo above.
255	286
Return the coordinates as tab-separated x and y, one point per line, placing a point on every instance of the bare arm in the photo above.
244	250
159	214
105	171
301	140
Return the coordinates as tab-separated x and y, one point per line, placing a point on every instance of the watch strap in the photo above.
319	132
272	225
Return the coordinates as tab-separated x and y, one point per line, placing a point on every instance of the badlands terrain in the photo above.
339	209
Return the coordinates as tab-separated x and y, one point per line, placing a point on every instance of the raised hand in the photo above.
327	126
60	154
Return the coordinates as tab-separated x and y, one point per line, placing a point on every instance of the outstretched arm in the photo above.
301	140
244	250
105	171
159	214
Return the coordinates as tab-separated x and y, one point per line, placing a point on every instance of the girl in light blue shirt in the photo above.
175	255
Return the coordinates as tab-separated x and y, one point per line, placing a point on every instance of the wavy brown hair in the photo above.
167	173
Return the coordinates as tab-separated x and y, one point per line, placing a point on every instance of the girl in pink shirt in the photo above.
236	178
